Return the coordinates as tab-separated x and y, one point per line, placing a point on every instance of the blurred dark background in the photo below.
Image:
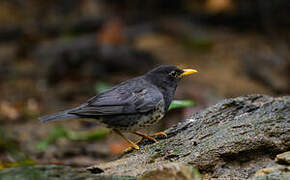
56	54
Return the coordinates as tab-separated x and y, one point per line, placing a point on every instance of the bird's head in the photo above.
168	76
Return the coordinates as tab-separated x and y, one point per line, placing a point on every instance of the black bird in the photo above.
131	105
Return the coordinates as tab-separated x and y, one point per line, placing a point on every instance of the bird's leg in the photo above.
150	137
145	136
127	140
158	134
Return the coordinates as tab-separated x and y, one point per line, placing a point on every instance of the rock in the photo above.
237	138
278	171
172	171
283	158
54	172
232	139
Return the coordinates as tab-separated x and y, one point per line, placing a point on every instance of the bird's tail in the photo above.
61	115
57	116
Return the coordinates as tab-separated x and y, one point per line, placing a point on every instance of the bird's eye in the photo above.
173	74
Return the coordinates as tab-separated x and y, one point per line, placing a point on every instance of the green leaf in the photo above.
56	133
60	132
17	163
42	145
181	103
102	86
98	134
90	135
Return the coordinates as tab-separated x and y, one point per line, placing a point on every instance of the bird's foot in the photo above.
158	134
145	136
150	136
135	146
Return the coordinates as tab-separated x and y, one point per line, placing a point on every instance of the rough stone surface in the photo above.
172	171
279	171
234	138
283	158
53	172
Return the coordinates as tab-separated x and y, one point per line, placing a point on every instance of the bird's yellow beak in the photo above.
188	72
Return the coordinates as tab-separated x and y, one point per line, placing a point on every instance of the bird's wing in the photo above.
122	100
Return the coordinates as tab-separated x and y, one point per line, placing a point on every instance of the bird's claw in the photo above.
151	136
158	134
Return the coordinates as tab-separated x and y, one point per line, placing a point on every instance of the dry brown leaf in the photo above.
112	33
217	6
8	110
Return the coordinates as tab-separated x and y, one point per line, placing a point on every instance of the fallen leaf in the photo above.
8	110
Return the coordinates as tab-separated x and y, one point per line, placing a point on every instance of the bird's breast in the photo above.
137	122
152	117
